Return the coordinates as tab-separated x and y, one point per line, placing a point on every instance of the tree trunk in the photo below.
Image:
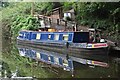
32	8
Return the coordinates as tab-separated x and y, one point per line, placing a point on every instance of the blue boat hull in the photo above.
57	47
66	42
74	54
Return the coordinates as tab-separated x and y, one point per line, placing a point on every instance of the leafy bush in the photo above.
24	23
98	15
18	17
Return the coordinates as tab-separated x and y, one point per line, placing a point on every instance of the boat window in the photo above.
81	37
49	36
65	62
49	59
56	60
65	37
38	55
38	36
20	35
56	37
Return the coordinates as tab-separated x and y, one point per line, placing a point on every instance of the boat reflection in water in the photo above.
51	58
64	61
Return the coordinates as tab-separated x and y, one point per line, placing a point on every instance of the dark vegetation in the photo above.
17	16
102	15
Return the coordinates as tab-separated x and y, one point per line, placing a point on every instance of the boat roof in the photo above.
93	29
51	32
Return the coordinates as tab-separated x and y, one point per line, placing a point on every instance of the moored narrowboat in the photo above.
80	41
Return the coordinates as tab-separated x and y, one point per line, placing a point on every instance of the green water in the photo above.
11	60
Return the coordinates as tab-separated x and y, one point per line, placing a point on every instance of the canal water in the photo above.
19	59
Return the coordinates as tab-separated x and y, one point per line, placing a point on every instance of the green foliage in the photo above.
18	16
44	8
102	15
67	5
4	4
68	19
15	9
24	23
5	67
96	14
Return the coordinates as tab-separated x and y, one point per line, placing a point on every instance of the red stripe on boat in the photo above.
100	63
100	45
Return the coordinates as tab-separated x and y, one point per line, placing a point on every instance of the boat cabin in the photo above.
93	36
75	37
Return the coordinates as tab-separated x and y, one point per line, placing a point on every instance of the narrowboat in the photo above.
75	41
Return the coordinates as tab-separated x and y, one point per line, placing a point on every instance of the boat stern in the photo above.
97	45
